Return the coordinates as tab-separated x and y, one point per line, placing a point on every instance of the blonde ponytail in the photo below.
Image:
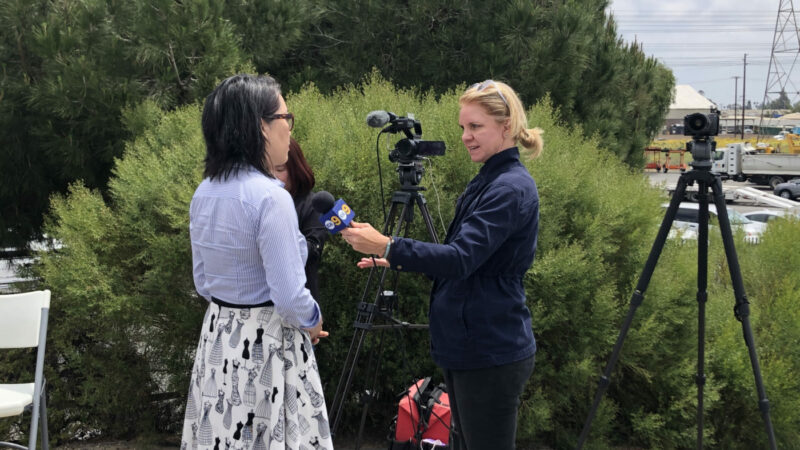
531	140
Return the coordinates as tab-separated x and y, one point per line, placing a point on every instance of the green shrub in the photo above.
772	287
125	314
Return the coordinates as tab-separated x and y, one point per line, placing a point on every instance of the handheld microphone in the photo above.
335	216
377	119
322	202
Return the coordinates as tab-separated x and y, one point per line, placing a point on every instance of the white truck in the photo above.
739	162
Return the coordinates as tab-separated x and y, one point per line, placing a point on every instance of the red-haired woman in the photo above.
298	179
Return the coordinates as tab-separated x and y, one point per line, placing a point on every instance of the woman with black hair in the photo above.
248	257
298	179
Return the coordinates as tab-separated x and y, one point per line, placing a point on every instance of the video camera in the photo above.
699	124
409	151
702	128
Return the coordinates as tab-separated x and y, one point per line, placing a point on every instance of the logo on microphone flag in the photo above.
337	218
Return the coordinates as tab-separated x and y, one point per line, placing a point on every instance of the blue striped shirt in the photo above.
247	248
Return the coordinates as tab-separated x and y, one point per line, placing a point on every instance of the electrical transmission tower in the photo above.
784	58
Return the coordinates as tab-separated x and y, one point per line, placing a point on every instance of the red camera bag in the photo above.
423	413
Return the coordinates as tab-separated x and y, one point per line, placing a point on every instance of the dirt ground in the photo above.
115	445
172	442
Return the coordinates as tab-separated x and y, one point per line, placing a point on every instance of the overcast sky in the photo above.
704	42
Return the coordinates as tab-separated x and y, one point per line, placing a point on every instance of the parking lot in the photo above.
741	205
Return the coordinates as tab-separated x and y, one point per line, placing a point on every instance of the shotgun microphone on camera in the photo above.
377	119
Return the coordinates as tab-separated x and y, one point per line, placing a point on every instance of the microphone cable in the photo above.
436	192
380	175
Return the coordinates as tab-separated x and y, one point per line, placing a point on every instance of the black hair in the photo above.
232	124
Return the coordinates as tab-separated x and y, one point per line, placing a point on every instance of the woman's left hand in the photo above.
365	239
315	333
366	263
322	334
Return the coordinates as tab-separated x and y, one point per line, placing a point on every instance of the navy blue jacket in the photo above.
478	317
316	234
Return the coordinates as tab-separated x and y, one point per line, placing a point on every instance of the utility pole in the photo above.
735	101
744	87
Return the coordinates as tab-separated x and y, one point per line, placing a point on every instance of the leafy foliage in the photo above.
771	284
124	318
70	69
782	102
125	314
568	49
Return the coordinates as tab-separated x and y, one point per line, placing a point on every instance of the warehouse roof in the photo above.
686	97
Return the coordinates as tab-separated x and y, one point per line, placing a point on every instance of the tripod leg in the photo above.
401	219
742	307
702	297
346	378
336	406
376	362
636	300
403	226
426	217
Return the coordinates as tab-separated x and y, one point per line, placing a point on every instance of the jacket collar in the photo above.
499	160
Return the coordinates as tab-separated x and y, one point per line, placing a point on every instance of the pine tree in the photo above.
782	102
71	67
69	70
567	49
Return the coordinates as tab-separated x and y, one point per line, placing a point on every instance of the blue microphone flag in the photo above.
337	218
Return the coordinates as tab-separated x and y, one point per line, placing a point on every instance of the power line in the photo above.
701	41
784	41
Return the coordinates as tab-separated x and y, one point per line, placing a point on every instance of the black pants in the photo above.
484	404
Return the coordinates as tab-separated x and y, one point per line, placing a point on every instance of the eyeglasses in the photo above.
288	116
481	86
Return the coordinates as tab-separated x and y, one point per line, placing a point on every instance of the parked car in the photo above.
688	217
763	215
790	189
781	136
748	131
767	215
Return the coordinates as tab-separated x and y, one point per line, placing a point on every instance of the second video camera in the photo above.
699	124
702	128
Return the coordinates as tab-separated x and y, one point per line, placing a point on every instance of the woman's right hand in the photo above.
364	238
366	263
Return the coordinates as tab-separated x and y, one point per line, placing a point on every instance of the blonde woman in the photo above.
480	327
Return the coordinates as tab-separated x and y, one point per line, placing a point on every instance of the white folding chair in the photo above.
23	324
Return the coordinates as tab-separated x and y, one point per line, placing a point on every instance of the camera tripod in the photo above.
701	174
399	219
